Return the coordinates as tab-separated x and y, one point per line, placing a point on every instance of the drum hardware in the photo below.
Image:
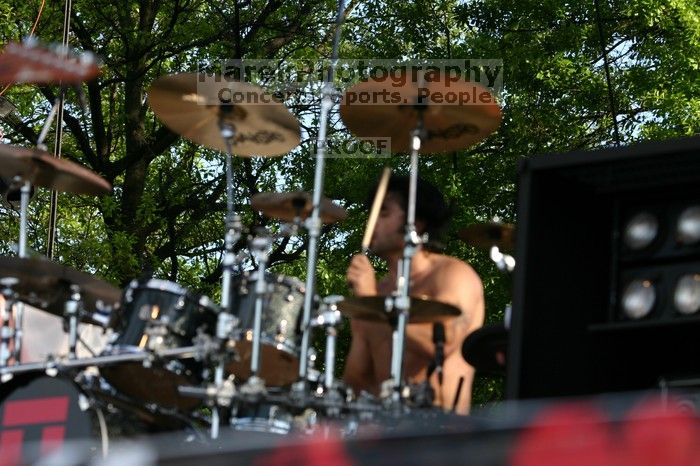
313	223
328	318
420	395
60	364
261	417
259	247
72	307
7	333
192	105
365	407
220	395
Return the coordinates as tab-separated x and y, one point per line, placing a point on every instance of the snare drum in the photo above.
39	414
157	315
283	305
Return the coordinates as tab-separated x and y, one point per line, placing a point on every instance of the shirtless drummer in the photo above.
434	276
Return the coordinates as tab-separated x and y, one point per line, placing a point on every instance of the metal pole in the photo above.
402	301
53	213
313	223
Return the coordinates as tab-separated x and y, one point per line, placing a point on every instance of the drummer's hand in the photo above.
360	276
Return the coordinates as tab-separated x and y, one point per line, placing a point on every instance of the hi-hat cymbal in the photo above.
46	285
373	308
42	169
289	206
380	109
193	106
486	235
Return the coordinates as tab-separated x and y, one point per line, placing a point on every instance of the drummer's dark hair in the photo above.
431	207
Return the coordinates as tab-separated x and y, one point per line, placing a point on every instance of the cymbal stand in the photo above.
25	193
329	318
402	301
226	321
260	245
72	309
313	223
7	332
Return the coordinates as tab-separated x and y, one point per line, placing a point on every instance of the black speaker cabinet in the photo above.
568	335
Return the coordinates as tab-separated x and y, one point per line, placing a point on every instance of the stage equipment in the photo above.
607	288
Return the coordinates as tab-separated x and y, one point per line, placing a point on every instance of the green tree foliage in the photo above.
166	213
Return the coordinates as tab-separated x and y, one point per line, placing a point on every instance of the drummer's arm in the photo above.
359	365
359	372
461	287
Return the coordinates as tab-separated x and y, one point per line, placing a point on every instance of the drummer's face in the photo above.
389	230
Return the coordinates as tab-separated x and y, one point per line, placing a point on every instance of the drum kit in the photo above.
175	358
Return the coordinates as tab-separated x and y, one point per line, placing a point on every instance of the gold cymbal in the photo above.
193	106
288	206
46	285
486	235
43	169
373	308
381	109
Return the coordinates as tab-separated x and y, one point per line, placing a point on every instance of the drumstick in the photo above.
374	211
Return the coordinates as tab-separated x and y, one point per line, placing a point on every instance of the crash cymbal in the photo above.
380	109
30	62
374	308
486	349
46	285
486	235
192	105
43	169
288	206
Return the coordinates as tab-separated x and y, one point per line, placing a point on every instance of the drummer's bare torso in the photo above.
444	279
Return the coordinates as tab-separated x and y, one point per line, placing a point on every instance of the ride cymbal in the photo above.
193	105
289	206
486	235
46	285
456	115
373	308
43	169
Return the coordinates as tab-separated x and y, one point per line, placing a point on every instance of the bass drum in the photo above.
73	420
40	414
283	305
157	315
